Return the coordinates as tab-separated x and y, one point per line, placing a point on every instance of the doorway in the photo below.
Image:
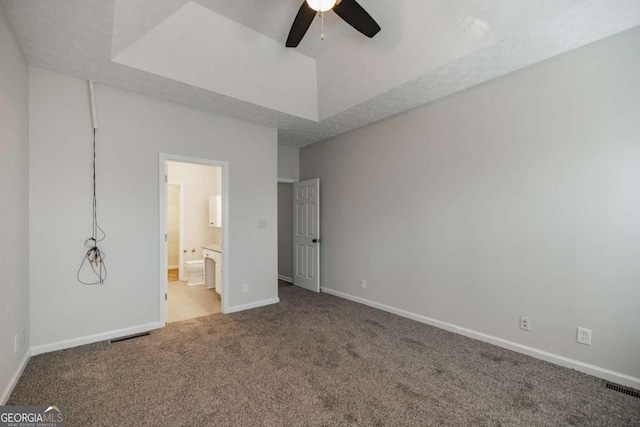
285	233
193	231
174	225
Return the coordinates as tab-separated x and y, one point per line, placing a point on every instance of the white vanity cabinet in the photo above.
210	254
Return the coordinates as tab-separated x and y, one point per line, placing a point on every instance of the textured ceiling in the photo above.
425	51
183	47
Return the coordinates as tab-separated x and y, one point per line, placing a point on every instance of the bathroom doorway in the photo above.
193	231
174	225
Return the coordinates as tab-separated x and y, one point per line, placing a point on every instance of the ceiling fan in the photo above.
348	10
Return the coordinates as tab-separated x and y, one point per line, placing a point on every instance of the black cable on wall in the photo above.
93	260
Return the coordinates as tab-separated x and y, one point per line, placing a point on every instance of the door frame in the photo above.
163	158
181	276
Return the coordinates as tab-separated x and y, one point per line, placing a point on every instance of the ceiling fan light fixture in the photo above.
321	5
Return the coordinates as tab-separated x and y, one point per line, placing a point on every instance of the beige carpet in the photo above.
314	360
188	302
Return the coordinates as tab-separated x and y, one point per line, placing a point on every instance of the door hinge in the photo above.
165	178
165	297
165	237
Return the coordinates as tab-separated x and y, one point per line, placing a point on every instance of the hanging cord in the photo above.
322	19
94	257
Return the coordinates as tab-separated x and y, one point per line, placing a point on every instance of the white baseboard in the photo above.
237	308
596	371
61	345
14	379
285	278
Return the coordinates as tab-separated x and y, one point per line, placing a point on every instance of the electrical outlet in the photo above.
584	336
363	284
262	223
245	288
16	340
524	323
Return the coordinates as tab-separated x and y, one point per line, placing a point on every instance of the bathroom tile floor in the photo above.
188	302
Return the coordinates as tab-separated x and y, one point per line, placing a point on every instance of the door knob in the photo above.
316	240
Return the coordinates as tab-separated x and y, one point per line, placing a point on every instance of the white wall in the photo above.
133	130
517	197
173	226
14	208
288	162
199	182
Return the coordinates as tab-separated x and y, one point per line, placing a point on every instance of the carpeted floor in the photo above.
283	284
314	360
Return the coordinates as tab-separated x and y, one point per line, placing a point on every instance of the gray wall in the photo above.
14	208
285	218
133	130
288	162
517	197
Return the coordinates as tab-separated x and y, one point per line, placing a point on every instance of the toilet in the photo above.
195	271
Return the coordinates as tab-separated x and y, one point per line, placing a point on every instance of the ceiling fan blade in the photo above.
300	25
357	17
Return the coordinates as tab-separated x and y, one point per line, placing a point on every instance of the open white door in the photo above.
306	234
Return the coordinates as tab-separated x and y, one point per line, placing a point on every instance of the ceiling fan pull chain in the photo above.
322	18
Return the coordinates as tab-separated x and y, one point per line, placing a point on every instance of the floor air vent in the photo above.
129	337
623	389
